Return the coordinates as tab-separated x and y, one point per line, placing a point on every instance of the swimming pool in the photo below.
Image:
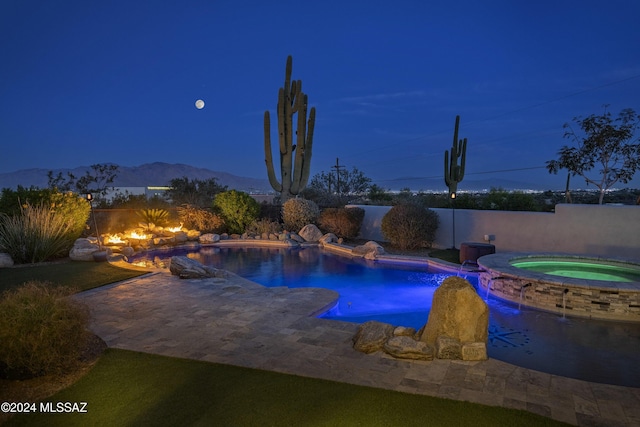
592	350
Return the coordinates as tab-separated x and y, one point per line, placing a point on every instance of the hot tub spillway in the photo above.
598	299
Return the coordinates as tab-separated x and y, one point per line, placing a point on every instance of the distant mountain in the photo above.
159	174
151	174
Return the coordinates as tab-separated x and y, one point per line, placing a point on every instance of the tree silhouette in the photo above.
606	142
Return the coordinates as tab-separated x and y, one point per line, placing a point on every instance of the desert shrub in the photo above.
409	226
36	234
343	222
195	218
42	331
70	205
154	216
237	208
264	225
296	213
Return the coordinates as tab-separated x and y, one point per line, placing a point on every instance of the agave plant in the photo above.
154	216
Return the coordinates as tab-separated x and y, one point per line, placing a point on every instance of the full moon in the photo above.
199	104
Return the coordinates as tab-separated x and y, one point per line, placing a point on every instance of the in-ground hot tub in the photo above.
575	285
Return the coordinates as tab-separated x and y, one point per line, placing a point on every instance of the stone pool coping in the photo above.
595	299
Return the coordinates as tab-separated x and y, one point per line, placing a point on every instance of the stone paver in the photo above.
238	322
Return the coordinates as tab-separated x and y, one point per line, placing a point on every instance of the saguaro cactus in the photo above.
453	173
294	171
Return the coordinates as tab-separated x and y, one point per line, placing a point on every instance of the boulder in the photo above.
193	235
404	331
329	238
102	256
458	312
474	351
161	241
181	237
209	238
5	260
369	250
83	249
404	347
310	233
448	348
371	336
187	268
296	238
127	251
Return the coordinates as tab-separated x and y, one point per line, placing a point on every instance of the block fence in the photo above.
602	230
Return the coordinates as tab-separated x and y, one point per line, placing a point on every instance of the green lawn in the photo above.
130	388
76	274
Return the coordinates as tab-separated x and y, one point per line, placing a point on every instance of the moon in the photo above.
199	104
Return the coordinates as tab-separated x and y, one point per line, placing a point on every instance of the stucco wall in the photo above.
577	229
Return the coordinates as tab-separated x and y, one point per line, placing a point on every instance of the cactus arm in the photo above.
463	159
447	175
284	124
287	74
268	156
301	109
306	170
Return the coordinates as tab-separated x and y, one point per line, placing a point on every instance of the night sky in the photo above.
85	82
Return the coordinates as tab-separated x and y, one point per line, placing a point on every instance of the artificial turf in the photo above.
131	388
76	274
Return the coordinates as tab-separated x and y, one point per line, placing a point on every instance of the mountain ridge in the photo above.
161	173
148	174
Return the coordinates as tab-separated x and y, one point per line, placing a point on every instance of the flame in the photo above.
135	235
175	229
139	264
114	239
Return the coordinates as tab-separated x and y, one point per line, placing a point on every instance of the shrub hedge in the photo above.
42	331
343	222
410	226
237	208
296	213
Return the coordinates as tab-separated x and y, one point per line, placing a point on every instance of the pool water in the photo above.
582	270
592	350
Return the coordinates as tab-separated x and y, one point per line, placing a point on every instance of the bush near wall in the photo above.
343	222
410	226
296	213
237	208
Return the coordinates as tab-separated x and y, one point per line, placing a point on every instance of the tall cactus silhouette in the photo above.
453	173
294	170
